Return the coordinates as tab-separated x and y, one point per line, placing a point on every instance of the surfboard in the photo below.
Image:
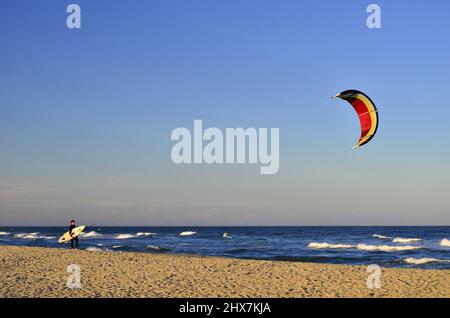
75	232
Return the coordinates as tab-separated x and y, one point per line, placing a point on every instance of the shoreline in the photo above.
99	249
42	272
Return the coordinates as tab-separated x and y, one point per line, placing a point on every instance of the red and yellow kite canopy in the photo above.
367	112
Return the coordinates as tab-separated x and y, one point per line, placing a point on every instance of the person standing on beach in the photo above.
71	227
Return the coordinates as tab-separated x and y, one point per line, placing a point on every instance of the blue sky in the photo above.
86	115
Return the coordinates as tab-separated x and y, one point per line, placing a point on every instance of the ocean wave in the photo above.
444	242
382	237
48	237
386	248
397	239
187	233
124	236
90	234
316	259
364	247
157	248
237	251
145	234
406	240
4	233
126	248
28	236
226	235
34	236
328	245
420	261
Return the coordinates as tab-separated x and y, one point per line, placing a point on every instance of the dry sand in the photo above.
42	272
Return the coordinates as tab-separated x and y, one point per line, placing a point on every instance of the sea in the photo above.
426	247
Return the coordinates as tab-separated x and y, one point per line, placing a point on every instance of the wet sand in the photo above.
42	272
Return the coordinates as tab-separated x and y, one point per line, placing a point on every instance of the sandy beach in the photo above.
42	272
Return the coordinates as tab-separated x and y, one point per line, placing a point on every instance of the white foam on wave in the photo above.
124	236
28	236
48	237
420	261
328	245
364	247
226	235
90	234
444	242
397	239
382	237
145	234
157	248
386	248
187	233
406	240
4	233
33	236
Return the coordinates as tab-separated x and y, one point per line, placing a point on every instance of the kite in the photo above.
367	112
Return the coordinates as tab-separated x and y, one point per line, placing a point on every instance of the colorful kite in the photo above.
367	112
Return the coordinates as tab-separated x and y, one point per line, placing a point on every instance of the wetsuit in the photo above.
74	238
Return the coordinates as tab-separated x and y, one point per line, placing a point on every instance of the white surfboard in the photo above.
75	232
